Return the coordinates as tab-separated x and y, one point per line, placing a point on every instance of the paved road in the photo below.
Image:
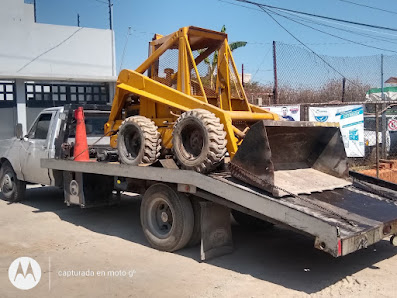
109	244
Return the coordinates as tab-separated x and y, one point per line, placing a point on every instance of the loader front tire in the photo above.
138	141
199	141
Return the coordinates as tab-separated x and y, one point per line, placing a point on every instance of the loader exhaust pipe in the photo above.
284	157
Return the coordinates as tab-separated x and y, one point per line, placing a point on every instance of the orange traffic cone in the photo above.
80	147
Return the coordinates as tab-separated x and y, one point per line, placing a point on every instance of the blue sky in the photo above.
158	16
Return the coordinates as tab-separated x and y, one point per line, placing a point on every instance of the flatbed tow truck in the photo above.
341	221
190	142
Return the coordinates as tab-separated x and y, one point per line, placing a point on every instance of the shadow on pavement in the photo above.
276	255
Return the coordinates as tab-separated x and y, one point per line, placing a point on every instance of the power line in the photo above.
333	35
263	60
367	6
327	21
49	50
101	1
342	38
125	47
351	26
312	43
363	43
303	44
260	5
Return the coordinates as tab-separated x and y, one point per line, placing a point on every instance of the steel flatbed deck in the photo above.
342	220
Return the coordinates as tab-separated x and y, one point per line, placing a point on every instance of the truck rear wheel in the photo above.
12	189
166	218
199	141
138	141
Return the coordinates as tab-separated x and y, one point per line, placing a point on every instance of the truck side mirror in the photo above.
63	116
19	131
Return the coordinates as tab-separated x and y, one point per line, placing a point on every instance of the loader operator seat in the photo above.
168	76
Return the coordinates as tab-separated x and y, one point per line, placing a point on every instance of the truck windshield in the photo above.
94	125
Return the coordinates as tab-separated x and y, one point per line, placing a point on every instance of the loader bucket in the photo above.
285	157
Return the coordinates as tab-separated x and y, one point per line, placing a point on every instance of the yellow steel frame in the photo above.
163	104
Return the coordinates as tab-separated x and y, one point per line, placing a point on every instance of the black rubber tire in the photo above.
199	141
138	141
16	190
249	221
196	234
178	207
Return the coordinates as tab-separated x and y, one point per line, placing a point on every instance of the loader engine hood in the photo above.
285	157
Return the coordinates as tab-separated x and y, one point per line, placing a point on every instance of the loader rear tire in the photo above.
138	141
199	141
166	217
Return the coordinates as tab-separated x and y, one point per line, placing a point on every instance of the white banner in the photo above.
291	113
351	121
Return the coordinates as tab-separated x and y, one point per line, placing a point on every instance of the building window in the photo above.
7	94
51	95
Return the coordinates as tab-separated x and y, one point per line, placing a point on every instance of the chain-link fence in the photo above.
379	124
301	76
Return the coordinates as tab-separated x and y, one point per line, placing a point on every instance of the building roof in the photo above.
392	80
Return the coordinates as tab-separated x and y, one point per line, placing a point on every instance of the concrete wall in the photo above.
50	50
32	51
8	121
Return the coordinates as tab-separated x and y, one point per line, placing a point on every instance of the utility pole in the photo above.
78	20
34	10
110	15
112	34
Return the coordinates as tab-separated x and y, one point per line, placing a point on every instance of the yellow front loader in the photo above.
178	102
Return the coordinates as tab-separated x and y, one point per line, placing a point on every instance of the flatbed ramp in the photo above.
341	220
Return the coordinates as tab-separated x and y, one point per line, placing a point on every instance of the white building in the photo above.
44	65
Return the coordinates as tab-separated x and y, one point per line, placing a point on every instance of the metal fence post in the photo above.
377	140
343	89
384	107
275	87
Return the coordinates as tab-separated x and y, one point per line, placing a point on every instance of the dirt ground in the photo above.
110	242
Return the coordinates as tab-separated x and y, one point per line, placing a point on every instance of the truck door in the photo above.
35	147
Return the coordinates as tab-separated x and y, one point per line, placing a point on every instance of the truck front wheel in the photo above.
167	218
12	189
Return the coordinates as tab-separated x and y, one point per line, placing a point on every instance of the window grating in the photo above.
50	94
7	94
